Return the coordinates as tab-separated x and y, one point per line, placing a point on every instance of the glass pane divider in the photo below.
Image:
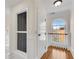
21	32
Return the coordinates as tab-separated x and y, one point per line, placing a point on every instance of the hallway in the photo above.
35	26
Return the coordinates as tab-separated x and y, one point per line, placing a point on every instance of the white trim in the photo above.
22	10
18	54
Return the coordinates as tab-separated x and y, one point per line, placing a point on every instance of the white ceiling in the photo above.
10	3
46	4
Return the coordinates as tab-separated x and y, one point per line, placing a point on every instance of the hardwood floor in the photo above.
54	52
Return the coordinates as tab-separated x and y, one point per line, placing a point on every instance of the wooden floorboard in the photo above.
54	52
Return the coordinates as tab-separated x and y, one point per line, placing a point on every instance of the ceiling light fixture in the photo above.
57	3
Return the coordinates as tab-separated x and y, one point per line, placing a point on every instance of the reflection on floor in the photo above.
57	53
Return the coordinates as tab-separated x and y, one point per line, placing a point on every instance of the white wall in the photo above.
72	30
31	45
7	32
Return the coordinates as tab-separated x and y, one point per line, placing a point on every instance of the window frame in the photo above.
54	42
19	12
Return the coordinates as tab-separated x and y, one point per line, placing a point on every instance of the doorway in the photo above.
54	30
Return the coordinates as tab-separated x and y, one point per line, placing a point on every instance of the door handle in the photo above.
39	34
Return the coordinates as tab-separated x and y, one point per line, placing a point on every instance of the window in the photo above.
21	26
21	31
58	27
